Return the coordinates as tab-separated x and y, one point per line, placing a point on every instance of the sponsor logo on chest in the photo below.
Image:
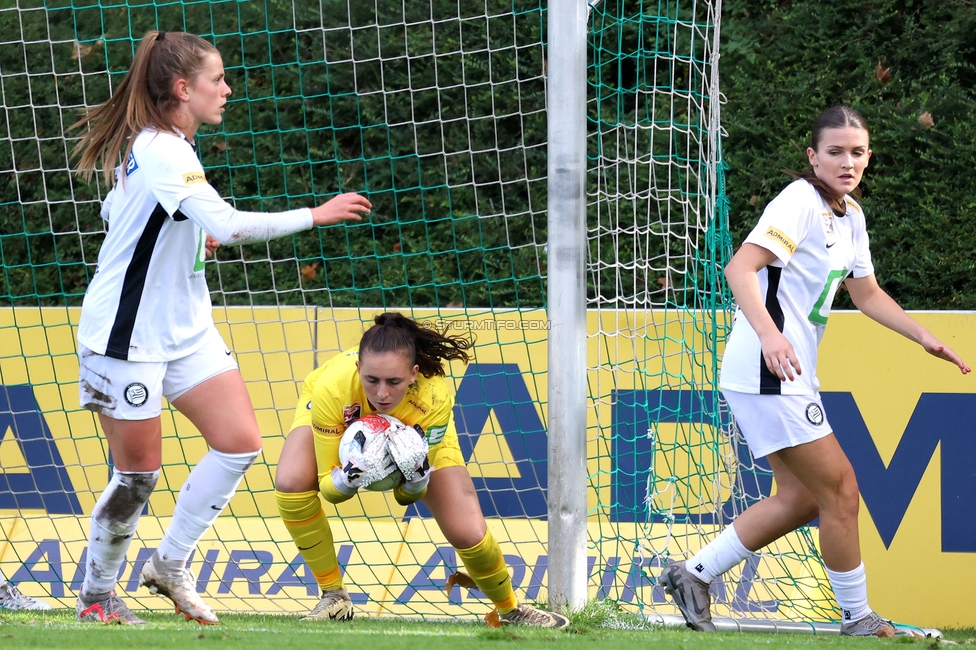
351	413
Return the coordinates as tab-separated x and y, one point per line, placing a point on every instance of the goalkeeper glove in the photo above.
409	449
364	466
414	489
348	478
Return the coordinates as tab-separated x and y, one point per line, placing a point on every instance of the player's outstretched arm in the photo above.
873	302
229	226
344	207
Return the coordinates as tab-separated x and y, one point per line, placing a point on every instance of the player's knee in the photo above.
465	540
236	463
291	483
850	501
467	535
801	504
808	511
842	497
125	497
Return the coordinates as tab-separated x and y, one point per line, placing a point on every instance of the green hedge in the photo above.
301	130
894	61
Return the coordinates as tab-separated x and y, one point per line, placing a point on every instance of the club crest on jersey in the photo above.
815	414
130	164
194	177
828	222
136	394
351	413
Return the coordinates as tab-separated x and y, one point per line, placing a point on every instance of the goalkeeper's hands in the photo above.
417	483
410	491
364	467
409	449
348	478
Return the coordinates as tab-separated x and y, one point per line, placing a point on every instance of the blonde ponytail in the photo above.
145	97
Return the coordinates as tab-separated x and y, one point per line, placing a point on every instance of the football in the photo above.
358	436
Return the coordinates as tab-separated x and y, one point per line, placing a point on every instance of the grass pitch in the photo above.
596	628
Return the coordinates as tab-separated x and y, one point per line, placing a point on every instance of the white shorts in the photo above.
133	390
773	422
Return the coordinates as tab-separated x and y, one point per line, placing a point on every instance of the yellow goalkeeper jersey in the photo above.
333	398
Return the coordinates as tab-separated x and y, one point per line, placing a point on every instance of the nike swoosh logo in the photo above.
829	245
228	351
309	548
216	508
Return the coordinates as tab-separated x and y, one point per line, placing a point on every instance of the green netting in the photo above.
670	463
437	112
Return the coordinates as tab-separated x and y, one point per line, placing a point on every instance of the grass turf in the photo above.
596	628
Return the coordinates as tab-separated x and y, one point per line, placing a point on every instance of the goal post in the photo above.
590	279
566	302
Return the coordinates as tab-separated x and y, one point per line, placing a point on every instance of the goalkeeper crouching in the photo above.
396	370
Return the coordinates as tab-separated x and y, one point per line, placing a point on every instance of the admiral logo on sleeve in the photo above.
781	239
328	431
194	177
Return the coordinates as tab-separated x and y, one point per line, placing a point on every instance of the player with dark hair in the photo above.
147	330
397	370
810	239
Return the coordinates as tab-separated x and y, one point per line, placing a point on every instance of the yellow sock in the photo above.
486	565
309	527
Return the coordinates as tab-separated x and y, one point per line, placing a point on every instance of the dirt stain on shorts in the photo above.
95	400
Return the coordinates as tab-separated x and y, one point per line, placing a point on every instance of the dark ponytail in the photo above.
835	117
394	332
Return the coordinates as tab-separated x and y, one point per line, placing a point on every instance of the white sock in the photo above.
113	522
851	591
718	556
207	491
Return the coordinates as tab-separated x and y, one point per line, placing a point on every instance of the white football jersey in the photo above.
816	250
148	299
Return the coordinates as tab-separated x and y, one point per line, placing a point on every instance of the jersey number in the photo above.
821	310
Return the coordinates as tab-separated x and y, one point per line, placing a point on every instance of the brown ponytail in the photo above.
145	97
394	332
835	117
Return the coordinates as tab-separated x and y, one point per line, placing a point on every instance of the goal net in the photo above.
436	111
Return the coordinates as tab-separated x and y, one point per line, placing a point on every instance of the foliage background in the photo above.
300	131
908	67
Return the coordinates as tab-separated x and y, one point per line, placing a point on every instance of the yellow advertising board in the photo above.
902	416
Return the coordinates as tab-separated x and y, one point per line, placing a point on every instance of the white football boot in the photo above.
335	605
176	582
11	598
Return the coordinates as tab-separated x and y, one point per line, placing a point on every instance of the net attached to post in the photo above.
438	114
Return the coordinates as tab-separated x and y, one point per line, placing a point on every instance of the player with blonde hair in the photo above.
147	329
